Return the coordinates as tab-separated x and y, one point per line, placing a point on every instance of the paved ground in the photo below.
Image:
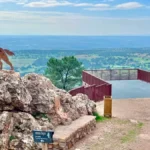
129	129
130	89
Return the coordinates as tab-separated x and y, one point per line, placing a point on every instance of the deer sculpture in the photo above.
4	57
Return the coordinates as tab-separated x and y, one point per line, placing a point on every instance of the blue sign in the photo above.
43	136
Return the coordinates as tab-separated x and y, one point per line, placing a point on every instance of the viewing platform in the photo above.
96	83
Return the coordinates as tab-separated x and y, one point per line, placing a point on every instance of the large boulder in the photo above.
6	127
13	93
78	105
21	136
42	92
16	130
84	105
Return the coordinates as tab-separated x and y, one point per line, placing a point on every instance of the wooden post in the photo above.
107	106
44	146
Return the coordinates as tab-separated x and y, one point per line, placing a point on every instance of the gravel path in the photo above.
129	129
138	109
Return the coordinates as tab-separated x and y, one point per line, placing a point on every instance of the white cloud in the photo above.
14	1
37	4
6	16
54	3
5	1
99	7
123	6
48	3
32	16
102	5
129	5
83	4
57	23
87	6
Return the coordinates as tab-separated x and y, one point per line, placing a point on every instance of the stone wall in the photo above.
65	137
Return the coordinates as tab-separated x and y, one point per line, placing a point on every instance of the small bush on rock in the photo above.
98	117
11	138
40	115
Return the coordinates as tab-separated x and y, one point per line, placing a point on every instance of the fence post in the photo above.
138	74
110	89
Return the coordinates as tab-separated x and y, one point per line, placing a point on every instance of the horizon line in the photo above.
68	35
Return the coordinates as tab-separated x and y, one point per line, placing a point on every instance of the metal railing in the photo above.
144	75
95	87
115	74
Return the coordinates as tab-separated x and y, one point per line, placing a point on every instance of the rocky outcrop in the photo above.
6	127
33	102
13	93
42	92
17	130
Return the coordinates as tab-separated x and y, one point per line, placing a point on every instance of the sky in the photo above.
74	17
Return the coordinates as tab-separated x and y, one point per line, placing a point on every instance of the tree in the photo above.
65	73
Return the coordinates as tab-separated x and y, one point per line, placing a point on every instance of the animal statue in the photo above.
4	57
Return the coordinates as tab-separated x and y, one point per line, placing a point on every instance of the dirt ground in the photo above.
129	128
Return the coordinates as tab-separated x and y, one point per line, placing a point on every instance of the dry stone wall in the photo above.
65	137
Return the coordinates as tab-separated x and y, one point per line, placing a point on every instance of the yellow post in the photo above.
108	106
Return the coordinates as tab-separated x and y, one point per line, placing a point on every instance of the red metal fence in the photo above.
91	79
143	75
102	90
73	92
94	92
96	88
90	91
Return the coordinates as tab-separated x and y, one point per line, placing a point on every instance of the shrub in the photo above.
11	138
98	117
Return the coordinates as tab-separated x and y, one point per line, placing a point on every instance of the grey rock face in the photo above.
13	93
84	105
23	126
42	93
6	127
34	103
